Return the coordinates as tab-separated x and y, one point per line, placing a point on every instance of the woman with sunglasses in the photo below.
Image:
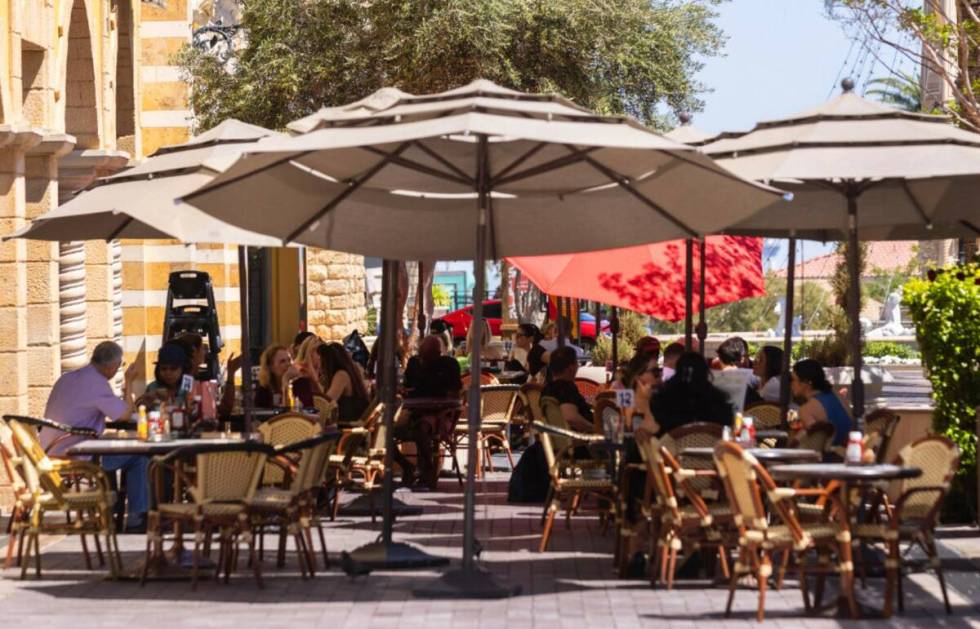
528	339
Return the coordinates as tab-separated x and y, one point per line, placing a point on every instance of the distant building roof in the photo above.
882	256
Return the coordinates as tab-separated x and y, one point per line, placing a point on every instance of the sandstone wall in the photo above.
335	293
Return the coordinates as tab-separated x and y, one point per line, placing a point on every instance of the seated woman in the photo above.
341	382
817	399
170	368
304	374
690	397
273	365
430	374
768	368
528	338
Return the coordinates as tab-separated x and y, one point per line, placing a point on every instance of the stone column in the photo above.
71	297
77	170
43	300
335	285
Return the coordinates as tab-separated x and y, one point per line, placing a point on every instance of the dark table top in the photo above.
843	472
107	447
764	455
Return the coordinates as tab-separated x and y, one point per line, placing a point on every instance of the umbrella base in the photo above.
467	583
394	556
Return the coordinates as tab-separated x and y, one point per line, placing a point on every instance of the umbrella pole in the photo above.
560	320
688	295
247	400
854	304
471	581
702	327
784	392
385	553
614	328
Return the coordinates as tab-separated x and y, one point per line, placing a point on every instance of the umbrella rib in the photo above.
115	233
720	171
624	183
407	163
520	160
221	184
360	181
576	156
969	225
442	160
915	202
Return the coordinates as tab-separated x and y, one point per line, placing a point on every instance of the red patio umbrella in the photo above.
650	278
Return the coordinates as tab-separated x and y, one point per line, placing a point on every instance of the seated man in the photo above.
574	409
430	374
83	399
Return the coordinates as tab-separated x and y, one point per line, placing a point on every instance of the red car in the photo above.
459	321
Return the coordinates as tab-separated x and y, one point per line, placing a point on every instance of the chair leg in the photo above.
723	561
37	556
672	567
733	581
85	553
253	557
25	559
893	567
937	564
765	569
281	552
309	548
783	565
323	545
548	523
547	503
804	589
98	550
196	555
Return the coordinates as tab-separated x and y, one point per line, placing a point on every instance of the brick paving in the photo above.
572	585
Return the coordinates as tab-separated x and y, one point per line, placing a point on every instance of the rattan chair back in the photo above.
939	459
314	455
283	430
11	462
588	388
767	415
552	443
531	393
695	435
879	426
39	471
226	472
818	437
497	402
659	476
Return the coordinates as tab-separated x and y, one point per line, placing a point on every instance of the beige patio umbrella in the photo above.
140	203
477	172
858	170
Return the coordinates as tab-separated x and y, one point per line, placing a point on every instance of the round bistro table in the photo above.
849	476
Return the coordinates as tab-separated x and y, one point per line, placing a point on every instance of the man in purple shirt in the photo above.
84	399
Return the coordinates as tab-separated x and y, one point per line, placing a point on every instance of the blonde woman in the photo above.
273	365
304	374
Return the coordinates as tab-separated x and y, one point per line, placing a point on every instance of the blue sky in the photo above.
781	57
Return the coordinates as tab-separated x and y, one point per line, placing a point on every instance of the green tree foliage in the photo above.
835	350
632	327
633	57
902	91
946	310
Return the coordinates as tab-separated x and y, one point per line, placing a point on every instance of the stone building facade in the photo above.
87	87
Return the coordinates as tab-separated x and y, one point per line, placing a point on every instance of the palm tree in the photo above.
902	91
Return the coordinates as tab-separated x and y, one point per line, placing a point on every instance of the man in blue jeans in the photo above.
84	399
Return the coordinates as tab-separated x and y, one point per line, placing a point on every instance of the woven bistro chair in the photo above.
531	397
879	426
569	482
326	410
767	415
910	510
497	405
605	409
588	388
294	509
686	523
215	486
79	489
283	430
360	458
23	499
696	435
486	378
750	488
819	437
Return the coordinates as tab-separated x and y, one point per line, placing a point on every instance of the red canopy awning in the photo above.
650	278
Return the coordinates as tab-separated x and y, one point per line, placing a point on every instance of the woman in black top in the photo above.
341	382
430	374
690	397
528	338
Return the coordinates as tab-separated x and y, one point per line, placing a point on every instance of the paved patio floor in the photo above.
572	585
